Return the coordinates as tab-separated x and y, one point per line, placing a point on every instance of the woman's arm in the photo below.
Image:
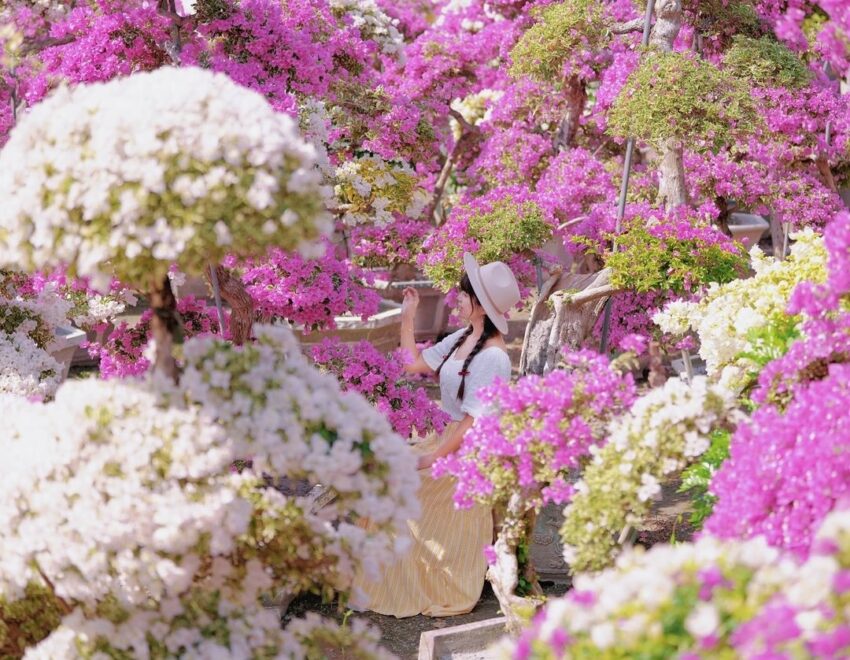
449	445
408	340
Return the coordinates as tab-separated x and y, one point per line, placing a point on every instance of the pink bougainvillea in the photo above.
308	292
538	430
380	378
790	463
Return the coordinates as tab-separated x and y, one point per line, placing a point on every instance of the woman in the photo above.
443	572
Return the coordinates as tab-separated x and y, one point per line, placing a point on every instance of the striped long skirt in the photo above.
443	572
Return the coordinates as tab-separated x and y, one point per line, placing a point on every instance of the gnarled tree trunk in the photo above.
575	302
513	526
672	188
164	326
671	170
575	95
241	305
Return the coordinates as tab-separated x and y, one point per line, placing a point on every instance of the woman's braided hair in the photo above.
490	330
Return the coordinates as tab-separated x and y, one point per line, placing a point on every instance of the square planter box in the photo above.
64	346
382	329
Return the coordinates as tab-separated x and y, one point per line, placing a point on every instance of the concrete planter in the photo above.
432	315
62	348
470	641
194	285
747	228
382	329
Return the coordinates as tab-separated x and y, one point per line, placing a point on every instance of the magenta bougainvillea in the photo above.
361	368
307	292
789	463
537	432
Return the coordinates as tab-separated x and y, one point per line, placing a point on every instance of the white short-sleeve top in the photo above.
491	362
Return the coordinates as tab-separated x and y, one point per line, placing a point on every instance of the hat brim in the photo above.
473	271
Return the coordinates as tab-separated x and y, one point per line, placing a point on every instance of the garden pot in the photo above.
697	363
193	286
63	347
432	315
81	355
747	228
382	329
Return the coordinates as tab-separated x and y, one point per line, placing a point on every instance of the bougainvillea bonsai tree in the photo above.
523	454
112	180
185	544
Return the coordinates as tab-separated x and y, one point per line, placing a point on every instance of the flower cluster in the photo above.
372	23
678	254
176	165
380	379
124	351
27	332
371	189
292	420
398	243
539	431
308	292
787	468
725	317
505	224
90	309
160	548
704	599
663	431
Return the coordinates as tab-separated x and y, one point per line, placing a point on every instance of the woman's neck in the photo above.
477	326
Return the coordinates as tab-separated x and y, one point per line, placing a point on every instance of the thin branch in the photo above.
588	295
634	25
38	45
461	120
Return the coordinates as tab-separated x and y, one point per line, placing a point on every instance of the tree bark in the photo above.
164	326
576	301
657	372
668	22
826	173
672	188
575	95
241	305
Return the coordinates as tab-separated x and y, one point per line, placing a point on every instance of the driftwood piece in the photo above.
563	315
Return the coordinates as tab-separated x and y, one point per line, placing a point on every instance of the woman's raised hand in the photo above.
409	303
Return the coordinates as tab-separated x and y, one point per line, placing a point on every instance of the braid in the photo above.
459	341
489	331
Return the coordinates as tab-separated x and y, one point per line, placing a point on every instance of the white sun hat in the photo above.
495	287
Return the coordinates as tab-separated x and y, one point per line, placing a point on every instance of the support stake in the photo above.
624	186
217	295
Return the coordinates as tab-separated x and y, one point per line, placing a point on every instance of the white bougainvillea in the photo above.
665	430
175	165
27	331
371	189
293	420
707	599
125	512
724	318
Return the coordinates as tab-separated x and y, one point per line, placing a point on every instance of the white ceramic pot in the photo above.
64	345
747	228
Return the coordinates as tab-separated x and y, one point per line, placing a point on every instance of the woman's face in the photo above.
467	309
